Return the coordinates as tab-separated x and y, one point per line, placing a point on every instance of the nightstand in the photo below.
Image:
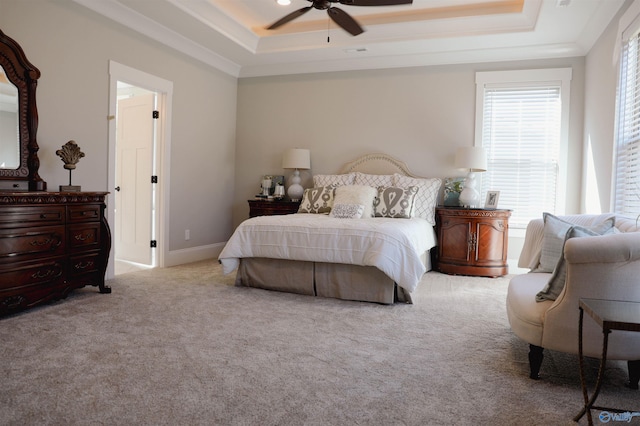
472	241
269	208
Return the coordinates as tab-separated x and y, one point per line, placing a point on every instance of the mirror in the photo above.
19	161
9	125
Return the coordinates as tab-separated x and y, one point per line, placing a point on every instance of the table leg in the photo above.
583	381
603	362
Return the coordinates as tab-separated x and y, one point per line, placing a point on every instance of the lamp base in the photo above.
70	188
469	197
295	190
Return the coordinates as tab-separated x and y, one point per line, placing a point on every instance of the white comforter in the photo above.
392	245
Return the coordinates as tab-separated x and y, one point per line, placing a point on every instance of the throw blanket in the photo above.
392	245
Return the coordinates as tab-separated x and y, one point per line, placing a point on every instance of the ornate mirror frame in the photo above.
24	75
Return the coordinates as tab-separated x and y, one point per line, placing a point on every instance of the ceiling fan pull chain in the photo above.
328	29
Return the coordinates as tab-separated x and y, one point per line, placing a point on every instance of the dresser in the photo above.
50	244
472	241
268	208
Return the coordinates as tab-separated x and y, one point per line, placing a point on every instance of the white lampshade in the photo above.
297	158
472	158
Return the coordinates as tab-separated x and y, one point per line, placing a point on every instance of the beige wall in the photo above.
72	47
419	115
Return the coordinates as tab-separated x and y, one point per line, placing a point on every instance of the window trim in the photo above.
532	77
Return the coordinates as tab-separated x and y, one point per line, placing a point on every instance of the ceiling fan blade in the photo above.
345	21
375	2
289	17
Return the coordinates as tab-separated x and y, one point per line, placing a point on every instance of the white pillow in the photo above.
335	180
356	194
373	180
395	202
347	211
426	198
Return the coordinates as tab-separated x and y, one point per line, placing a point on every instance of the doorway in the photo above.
139	135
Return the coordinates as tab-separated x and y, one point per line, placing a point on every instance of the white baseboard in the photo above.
193	254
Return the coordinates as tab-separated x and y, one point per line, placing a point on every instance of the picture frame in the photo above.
492	200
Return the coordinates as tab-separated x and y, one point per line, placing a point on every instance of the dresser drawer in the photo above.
19	216
84	264
22	244
30	274
84	236
84	213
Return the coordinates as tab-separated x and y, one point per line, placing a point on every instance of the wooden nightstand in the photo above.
268	208
472	241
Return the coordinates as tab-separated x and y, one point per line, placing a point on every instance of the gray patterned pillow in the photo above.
317	200
334	180
347	211
427	196
373	180
395	202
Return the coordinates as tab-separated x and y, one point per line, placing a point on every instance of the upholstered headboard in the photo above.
377	164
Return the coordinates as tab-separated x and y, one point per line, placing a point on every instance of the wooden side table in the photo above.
610	315
472	241
268	208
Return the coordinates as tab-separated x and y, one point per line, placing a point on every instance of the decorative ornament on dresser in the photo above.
297	159
473	159
70	154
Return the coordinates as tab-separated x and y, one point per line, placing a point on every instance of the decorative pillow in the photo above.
317	200
373	180
554	235
395	202
426	198
347	211
334	180
556	283
357	194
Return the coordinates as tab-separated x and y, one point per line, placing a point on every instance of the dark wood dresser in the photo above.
472	241
268	208
50	244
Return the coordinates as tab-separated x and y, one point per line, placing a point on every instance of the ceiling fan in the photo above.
339	16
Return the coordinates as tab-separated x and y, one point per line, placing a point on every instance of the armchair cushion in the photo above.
554	236
556	283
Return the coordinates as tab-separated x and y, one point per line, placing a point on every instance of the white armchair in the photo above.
598	267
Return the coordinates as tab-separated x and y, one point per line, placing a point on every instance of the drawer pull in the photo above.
85	237
45	274
49	241
85	265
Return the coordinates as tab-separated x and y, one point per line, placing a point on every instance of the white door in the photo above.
134	190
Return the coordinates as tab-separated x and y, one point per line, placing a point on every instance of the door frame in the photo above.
164	90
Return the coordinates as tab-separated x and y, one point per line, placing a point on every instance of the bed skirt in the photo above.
336	280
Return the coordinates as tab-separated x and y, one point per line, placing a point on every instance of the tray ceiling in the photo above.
230	34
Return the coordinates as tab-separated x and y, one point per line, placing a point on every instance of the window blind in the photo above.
627	175
521	132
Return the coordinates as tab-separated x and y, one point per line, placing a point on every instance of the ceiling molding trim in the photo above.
458	57
131	19
216	19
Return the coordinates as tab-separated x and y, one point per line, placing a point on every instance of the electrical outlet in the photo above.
187	234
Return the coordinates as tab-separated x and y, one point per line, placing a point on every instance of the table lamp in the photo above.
297	159
473	159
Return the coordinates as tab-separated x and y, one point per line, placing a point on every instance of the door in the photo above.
134	167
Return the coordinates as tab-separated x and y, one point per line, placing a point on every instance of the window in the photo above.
521	121
627	174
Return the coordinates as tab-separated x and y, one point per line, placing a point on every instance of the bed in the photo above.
333	247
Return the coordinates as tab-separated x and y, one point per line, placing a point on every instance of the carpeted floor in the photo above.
183	346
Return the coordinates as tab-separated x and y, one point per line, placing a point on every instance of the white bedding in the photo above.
392	245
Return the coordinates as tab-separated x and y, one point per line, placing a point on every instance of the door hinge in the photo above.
154	179
156	114
154	243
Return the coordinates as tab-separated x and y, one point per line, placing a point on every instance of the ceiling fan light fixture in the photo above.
283	2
